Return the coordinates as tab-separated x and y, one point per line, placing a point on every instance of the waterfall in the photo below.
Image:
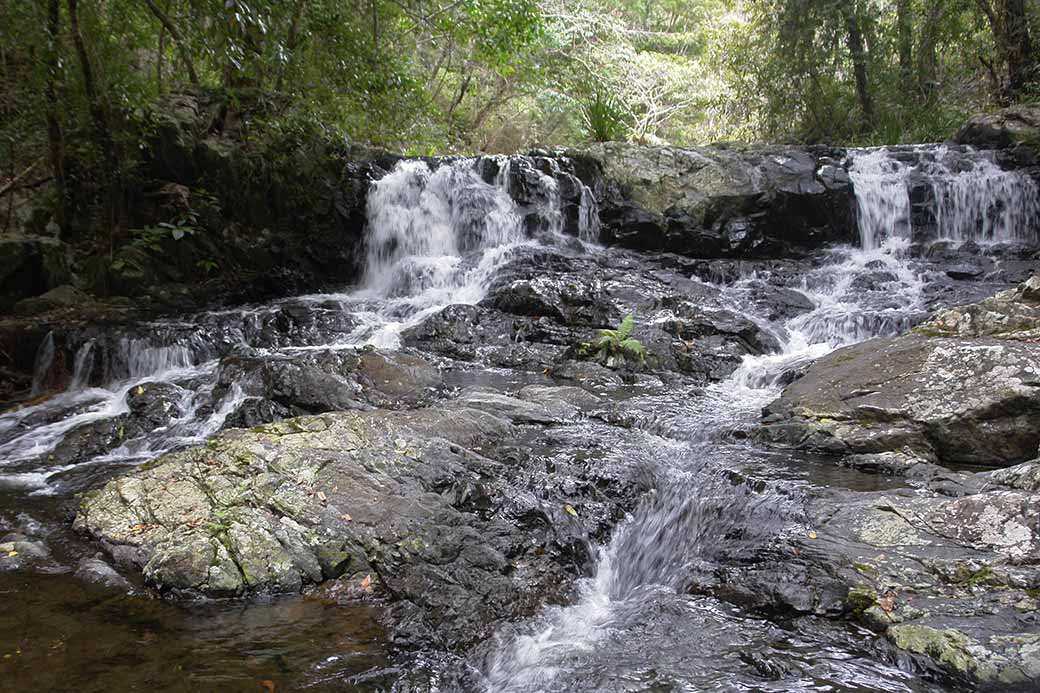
422	223
42	365
882	197
957	195
439	236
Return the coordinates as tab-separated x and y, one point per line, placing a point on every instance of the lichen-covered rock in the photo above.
412	506
964	387
1012	314
951	580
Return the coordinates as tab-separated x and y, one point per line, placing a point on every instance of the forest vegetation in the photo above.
431	76
81	81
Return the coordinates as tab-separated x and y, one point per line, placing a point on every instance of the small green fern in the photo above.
614	347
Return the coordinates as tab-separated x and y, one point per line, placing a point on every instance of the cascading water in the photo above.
970	198
656	555
438	235
435	237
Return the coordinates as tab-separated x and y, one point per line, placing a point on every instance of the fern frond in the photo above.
625	329
633	347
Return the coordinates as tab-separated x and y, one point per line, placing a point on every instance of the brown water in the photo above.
60	634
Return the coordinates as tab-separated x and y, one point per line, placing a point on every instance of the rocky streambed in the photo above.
818	474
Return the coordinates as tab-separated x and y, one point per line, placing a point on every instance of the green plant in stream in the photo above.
614	348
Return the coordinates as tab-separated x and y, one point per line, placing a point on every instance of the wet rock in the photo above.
314	382
443	512
1012	314
1024	477
156	403
776	303
946	579
25	554
150	405
964	387
965	272
717	202
96	572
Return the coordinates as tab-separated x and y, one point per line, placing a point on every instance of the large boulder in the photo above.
445	513
962	388
950	581
719	202
1008	127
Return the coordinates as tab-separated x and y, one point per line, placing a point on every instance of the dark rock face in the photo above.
964	388
31	266
1006	128
717	202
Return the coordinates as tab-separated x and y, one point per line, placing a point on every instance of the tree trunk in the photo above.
1009	24
858	51
927	60
100	117
159	59
55	138
904	26
291	40
1021	62
182	48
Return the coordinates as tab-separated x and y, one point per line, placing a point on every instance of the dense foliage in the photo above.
465	75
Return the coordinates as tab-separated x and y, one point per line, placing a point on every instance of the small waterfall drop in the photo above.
422	224
939	193
42	365
882	197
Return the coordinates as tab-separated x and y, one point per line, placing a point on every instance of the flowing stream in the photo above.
436	238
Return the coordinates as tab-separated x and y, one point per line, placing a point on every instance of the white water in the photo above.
434	238
973	199
652	549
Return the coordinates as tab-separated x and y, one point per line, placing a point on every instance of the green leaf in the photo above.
626	327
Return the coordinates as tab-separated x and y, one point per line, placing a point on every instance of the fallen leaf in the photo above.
887	603
570	510
140	390
366	584
812	534
267	685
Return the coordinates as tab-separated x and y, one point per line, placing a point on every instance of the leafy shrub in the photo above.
605	118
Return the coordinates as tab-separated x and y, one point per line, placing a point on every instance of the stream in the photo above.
441	237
